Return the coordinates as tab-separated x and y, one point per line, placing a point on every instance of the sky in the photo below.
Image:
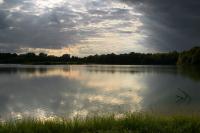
88	27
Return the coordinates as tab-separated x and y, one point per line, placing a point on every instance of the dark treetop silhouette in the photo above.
191	57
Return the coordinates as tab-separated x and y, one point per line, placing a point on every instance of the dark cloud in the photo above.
27	30
3	21
55	25
145	25
170	25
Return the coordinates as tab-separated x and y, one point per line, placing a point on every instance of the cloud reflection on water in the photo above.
67	91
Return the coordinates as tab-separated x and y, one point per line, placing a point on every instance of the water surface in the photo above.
70	90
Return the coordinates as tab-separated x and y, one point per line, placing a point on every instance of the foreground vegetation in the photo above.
190	57
137	123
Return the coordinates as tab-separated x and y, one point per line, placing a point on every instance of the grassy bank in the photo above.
137	123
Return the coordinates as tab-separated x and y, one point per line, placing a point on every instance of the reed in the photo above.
131	122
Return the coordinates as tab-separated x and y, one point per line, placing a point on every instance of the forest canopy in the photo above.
190	57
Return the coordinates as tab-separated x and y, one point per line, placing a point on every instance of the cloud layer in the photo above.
80	27
170	25
84	27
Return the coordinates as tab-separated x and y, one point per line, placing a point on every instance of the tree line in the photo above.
190	57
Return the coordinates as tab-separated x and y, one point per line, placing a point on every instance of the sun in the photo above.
41	7
43	4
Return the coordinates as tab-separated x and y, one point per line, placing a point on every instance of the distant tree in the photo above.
65	57
30	55
43	55
191	57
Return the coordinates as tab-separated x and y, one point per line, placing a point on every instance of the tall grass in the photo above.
136	123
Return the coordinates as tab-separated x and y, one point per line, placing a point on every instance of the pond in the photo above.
81	90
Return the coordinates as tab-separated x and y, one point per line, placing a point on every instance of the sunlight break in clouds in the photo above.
1	1
78	27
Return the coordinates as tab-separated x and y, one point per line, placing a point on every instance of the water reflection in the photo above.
47	91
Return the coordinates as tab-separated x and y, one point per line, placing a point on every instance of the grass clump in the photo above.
136	123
